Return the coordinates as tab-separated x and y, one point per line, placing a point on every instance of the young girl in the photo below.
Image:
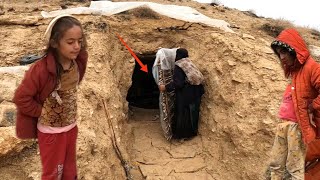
299	112
46	99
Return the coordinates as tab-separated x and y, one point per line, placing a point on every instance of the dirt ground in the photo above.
243	84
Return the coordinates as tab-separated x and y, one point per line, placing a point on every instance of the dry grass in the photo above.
251	13
215	3
274	27
145	13
316	34
142	12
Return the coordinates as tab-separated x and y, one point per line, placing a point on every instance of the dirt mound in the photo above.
243	84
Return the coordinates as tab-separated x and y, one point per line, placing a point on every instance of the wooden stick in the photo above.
115	146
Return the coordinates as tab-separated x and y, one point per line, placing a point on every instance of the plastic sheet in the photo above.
108	8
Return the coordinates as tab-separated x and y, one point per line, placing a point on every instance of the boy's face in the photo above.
285	57
70	44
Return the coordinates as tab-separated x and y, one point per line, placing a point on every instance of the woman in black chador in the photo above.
187	84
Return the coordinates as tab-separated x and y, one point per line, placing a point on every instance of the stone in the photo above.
179	153
155	170
7	114
267	50
231	63
10	78
184	165
131	60
315	50
248	36
9	144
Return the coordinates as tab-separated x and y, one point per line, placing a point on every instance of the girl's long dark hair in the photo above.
289	70
58	30
296	64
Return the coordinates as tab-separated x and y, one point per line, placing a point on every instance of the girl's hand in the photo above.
310	108
162	87
310	112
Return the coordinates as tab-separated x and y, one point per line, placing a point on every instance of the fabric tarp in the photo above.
108	8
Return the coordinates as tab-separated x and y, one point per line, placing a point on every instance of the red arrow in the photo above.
143	67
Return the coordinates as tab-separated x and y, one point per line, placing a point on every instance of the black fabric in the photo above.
181	53
179	78
143	92
28	59
187	105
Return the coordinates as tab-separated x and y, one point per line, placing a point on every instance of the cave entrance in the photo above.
144	92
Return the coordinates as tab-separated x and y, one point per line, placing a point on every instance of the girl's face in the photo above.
70	44
285	57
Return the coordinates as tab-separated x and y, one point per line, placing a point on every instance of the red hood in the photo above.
294	40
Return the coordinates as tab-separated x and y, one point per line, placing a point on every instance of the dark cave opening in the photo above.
143	92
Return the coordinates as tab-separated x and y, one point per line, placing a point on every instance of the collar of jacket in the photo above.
51	63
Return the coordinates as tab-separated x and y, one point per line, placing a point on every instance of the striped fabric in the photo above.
166	102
